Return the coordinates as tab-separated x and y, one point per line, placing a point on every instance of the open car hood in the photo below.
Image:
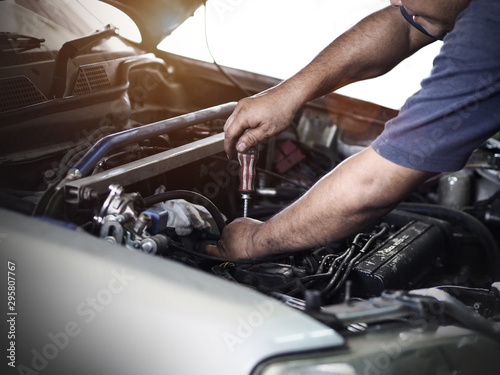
157	18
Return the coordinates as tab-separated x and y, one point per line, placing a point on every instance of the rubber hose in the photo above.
468	221
16	204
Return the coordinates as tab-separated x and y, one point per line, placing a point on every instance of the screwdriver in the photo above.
248	160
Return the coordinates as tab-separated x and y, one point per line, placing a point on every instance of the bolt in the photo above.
49	174
89	194
142	223
149	246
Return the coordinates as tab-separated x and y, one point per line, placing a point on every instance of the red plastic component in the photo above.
248	162
287	157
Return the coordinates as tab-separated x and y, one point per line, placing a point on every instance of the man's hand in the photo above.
354	195
371	48
258	117
237	240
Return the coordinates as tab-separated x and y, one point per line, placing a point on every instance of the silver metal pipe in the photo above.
87	163
139	170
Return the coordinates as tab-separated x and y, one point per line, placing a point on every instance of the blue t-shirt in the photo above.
458	106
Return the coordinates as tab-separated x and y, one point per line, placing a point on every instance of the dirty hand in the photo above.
237	240
258	117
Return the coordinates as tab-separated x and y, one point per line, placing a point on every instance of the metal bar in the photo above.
142	169
87	163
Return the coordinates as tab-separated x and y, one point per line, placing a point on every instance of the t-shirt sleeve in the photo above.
458	106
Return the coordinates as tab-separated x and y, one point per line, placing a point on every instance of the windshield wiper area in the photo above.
14	42
71	49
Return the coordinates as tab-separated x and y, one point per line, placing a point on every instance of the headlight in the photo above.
308	368
447	350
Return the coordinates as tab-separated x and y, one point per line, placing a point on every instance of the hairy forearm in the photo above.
371	48
342	203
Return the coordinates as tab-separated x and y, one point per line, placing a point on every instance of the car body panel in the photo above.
84	305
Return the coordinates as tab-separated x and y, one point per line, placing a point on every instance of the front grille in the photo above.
18	92
91	78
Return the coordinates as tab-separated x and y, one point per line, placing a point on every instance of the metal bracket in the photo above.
75	191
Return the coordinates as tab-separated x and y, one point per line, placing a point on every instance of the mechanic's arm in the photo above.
369	49
352	196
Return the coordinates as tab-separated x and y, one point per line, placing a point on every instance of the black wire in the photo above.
206	256
320	276
337	274
218	259
229	78
286	179
355	260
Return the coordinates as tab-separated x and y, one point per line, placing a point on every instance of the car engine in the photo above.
128	147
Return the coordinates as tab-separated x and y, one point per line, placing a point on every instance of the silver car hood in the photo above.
87	306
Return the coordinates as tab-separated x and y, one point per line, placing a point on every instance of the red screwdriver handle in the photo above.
248	161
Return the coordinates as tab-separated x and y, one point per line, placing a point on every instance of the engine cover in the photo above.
400	262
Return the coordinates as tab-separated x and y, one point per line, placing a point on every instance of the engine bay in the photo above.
132	153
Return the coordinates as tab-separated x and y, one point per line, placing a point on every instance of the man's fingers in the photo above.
233	129
243	129
253	120
249	139
241	141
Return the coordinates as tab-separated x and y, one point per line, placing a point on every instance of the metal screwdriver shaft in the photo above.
248	161
246	198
